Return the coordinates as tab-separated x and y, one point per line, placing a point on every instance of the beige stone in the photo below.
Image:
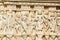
29	21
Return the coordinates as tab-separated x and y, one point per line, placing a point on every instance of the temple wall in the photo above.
29	21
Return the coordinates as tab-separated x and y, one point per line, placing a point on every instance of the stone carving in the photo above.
26	23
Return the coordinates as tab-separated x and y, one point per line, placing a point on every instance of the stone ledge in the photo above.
38	1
